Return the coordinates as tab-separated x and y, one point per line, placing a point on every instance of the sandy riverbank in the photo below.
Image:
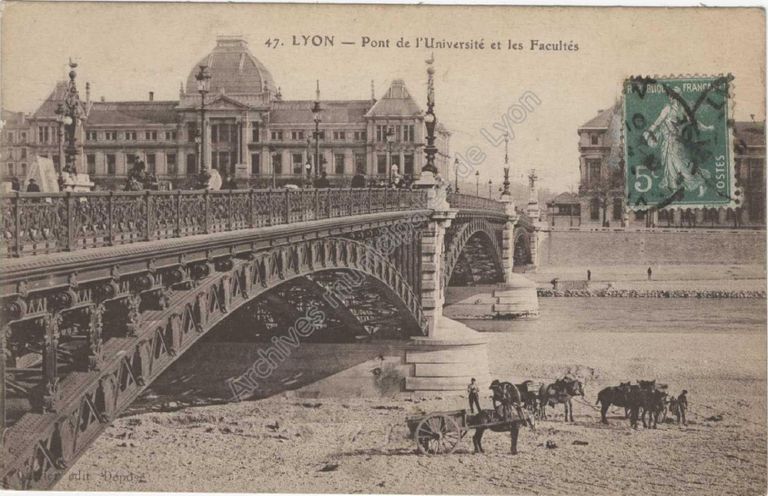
290	444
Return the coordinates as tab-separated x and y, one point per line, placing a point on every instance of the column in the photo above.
508	239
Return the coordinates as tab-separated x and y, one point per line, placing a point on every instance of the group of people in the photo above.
32	186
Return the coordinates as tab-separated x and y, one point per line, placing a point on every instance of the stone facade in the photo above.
249	127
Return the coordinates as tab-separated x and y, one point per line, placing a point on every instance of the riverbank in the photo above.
611	292
296	443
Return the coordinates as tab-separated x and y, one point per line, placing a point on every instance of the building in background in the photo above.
14	145
249	128
600	201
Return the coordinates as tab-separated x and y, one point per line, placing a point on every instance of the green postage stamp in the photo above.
677	143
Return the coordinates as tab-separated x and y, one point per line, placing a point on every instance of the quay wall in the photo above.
655	246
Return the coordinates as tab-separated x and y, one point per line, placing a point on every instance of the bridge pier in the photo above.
451	353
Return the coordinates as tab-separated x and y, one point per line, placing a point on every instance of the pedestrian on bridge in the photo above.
650	273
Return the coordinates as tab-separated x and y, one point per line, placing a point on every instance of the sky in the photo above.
126	50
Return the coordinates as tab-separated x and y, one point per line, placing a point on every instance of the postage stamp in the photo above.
677	143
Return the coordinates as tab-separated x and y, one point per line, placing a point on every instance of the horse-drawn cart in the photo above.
440	432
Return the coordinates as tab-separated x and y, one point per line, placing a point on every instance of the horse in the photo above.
487	417
560	391
613	395
644	396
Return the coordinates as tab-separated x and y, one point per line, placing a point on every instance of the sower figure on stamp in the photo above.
474	396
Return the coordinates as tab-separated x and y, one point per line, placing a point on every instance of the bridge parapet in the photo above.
470	202
41	223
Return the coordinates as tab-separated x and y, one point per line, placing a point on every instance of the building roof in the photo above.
138	113
566	197
333	111
233	69
749	133
396	102
12	119
602	120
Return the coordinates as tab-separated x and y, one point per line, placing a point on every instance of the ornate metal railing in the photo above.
460	200
39	223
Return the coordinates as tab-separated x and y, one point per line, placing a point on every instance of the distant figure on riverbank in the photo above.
589	275
650	273
474	396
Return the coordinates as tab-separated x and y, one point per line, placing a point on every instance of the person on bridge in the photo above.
474	396
322	181
32	187
358	181
650	273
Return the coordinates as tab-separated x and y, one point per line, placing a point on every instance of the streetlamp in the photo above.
477	183
316	109
430	120
60	119
68	115
490	188
389	136
455	175
203	78
308	167
506	165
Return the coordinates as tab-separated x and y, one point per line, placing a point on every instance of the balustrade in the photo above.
40	223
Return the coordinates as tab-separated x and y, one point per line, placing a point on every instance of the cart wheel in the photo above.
437	434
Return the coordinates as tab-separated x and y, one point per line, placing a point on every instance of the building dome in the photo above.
233	69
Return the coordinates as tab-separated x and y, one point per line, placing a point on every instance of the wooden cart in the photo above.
440	432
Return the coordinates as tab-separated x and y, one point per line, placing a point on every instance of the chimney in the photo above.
151	96
87	93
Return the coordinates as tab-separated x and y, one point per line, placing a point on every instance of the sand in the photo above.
294	444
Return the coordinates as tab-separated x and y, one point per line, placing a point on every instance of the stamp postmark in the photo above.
677	143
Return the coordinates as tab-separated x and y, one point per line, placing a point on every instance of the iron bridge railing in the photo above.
472	202
40	223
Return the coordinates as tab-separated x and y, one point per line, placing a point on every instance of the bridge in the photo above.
102	291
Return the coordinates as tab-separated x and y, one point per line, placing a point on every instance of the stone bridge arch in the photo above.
522	254
153	338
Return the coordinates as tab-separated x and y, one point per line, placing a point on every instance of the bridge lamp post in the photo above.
490	188
456	175
389	137
506	192
60	118
203	78
317	118
477	183
308	167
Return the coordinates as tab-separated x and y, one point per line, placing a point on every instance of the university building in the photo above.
247	123
600	200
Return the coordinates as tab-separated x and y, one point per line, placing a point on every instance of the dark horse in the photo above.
560	391
645	398
614	395
506	400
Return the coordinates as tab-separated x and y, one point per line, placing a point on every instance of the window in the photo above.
593	166
255	131
129	136
110	135
409	135
381	164
618	209
595	139
24	169
408	164
277	136
380	133
23	137
665	216
298	163
191	131
92	136
214	133
360	163
171	164
91	161
170	136
111	164
11	169
339	135
255	164
23	153
43	134
297	135
277	163
321	135
360	136
191	163
151	163
640	215
148	135
594	209
338	163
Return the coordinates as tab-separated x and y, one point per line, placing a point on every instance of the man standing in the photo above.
474	396
650	273
32	187
682	406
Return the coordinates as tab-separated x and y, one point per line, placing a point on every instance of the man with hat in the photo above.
474	396
32	187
